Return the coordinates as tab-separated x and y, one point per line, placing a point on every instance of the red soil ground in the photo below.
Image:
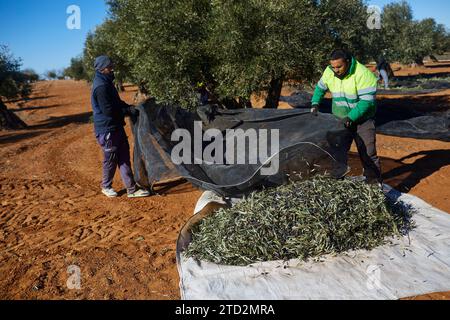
52	214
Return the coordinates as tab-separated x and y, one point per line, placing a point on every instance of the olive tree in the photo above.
257	45
164	42
172	48
13	84
407	40
76	70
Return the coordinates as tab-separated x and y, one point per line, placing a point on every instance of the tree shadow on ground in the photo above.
178	186
38	108
16	137
436	66
57	122
23	100
405	176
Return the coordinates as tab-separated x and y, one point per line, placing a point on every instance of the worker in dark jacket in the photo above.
109	121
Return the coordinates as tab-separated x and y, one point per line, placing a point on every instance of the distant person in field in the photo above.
109	121
384	70
354	89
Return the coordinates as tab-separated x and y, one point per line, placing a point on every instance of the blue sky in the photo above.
35	30
437	9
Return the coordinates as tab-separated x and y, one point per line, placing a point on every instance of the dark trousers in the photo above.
116	152
364	136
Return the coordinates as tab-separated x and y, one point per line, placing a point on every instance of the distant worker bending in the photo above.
353	88
384	70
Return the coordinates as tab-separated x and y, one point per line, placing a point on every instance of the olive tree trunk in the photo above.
274	93
8	120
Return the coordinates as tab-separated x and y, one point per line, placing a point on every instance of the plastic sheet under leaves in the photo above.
411	265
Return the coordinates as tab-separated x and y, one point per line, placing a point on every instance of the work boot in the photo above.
139	194
109	192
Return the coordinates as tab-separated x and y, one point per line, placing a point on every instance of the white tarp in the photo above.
413	265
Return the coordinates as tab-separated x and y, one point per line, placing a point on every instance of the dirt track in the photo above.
53	216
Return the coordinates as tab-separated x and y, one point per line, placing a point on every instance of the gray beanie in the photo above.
102	62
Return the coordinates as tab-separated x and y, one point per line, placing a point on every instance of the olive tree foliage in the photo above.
257	45
52	74
13	82
164	42
233	47
429	38
31	74
76	70
171	48
406	40
104	41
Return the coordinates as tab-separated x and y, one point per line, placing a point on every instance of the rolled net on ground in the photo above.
424	127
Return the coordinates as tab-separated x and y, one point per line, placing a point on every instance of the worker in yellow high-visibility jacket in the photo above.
353	88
